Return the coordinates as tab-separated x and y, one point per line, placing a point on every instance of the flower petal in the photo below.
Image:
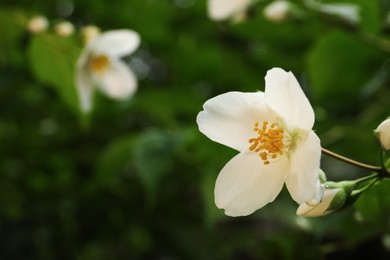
84	83
245	184
229	118
285	96
223	9
118	81
115	43
303	179
320	209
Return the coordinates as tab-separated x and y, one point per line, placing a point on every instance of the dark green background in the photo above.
135	180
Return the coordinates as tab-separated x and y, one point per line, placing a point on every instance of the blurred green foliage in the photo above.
136	181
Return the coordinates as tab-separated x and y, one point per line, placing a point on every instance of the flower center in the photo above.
99	64
269	142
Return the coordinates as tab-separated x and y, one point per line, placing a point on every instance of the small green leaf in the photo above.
53	60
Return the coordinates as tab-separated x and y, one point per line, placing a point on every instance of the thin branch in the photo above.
353	162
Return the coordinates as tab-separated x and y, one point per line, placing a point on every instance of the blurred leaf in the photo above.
114	161
11	31
370	15
338	66
374	204
211	213
152	155
53	59
172	104
147	156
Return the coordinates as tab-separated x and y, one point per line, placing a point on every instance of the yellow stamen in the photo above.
269	142
99	64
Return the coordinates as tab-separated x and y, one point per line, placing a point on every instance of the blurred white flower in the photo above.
277	11
100	65
219	10
37	24
64	28
90	32
273	133
383	134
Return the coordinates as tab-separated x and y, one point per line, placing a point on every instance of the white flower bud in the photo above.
89	33
383	134
277	11
219	10
64	29
323	208
37	24
337	196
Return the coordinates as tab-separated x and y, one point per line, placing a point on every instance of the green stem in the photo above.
353	162
383	158
374	40
362	181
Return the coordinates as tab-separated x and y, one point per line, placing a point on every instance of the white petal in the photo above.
245	184
118	81
347	11
302	181
383	131
277	11
319	209
84	83
229	118
223	9
285	96
115	43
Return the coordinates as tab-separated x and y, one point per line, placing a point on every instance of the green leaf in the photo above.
115	162
211	213
152	157
53	60
370	15
338	67
11	31
374	204
146	157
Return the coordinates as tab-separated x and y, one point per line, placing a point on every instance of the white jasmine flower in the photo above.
273	133
64	29
37	24
100	66
277	11
383	134
219	10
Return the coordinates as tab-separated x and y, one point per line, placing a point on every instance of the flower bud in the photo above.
219	10
383	134
277	11
89	33
337	196
64	29
320	189
37	24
